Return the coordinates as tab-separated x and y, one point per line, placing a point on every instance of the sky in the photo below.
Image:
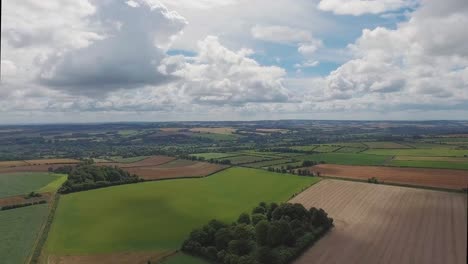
65	61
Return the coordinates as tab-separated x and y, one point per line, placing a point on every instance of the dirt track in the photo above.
452	179
387	224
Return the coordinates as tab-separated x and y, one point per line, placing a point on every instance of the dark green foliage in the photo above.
276	235
244	219
9	207
87	176
373	180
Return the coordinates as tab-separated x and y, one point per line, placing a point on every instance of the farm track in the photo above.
386	224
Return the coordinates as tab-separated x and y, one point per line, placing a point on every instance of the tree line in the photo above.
272	234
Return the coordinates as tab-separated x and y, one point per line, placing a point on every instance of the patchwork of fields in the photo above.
387	224
159	215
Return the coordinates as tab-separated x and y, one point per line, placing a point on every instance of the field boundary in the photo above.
43	234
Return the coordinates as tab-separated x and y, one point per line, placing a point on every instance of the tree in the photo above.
261	232
244	218
256	218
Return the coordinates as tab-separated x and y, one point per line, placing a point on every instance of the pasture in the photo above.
19	230
425	152
159	215
214	155
12	184
387	224
346	158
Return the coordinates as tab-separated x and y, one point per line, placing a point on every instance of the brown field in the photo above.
215	130
112	258
33	168
148	162
14	163
51	161
19	199
441	178
196	169
387	224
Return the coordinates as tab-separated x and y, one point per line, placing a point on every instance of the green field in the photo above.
19	230
245	159
214	155
349	150
127	160
435	152
54	185
25	182
159	215
385	145
347	158
268	163
218	137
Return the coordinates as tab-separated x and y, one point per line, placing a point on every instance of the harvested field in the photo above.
32	168
112	258
168	171
387	224
51	161
14	163
148	162
442	178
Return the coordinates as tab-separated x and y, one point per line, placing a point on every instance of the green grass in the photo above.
385	145
349	150
184	259
19	230
218	137
430	164
160	215
268	163
214	155
441	152
346	158
245	159
25	182
54	185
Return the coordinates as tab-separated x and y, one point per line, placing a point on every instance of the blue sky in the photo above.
160	60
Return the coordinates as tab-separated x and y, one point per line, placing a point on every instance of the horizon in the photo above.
162	60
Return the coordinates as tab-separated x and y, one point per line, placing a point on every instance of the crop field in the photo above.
184	259
127	160
268	163
349	150
214	130
148	162
346	158
245	159
12	184
51	161
385	145
158	216
15	163
387	224
430	164
176	169
435	152
451	179
214	155
19	230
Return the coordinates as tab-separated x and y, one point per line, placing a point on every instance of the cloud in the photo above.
221	76
360	7
137	34
281	34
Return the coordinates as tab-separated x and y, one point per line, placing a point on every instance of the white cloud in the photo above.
220	76
360	7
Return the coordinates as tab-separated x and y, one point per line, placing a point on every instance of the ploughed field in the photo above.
440	178
387	224
158	216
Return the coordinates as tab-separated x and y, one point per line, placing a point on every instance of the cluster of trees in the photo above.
195	158
294	169
87	176
273	234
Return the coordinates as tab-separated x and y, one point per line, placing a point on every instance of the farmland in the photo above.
22	183
84	222
450	179
386	224
19	230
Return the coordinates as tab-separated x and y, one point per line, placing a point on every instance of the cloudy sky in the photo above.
160	60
